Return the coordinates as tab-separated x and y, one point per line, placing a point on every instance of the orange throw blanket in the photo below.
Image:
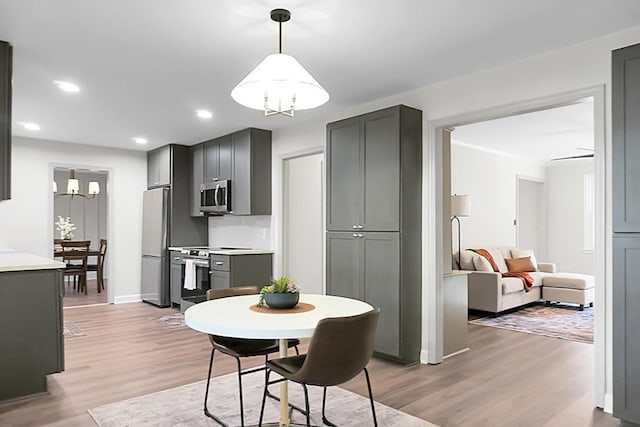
527	280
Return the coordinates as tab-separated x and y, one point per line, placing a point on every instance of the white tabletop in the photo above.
232	317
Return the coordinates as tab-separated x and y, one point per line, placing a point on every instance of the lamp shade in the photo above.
279	84
460	205
94	187
73	186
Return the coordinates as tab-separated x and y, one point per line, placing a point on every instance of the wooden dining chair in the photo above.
74	255
98	267
340	349
239	347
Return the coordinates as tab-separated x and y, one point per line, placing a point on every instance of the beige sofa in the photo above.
489	291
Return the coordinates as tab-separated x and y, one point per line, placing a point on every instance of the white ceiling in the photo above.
539	136
144	66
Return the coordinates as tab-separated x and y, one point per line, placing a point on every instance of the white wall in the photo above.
570	69
489	179
565	216
25	220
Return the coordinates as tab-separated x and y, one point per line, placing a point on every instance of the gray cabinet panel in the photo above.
197	178
381	283
211	160
626	139
343	265
159	167
344	184
5	120
176	277
380	133
220	279
626	318
251	172
225	157
31	340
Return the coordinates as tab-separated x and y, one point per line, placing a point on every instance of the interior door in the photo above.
530	219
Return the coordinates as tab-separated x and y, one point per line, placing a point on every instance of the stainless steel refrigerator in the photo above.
155	255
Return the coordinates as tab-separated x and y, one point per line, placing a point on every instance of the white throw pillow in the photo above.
466	260
498	258
523	253
481	263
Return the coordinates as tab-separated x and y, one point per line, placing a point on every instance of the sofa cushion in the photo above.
521	253
539	277
520	265
569	280
511	285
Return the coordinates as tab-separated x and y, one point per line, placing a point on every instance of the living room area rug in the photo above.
183	406
564	322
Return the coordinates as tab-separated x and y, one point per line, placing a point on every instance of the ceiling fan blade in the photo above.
582	156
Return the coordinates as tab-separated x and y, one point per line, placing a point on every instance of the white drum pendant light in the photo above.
279	84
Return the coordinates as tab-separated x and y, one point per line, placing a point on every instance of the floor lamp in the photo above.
460	206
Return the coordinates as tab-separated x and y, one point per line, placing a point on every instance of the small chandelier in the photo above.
73	187
279	84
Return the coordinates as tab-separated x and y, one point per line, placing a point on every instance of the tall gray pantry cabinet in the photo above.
626	234
374	204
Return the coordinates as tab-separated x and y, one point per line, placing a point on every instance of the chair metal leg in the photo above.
373	408
264	397
206	392
240	391
306	404
324	400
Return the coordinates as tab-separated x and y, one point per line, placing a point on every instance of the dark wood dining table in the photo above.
58	253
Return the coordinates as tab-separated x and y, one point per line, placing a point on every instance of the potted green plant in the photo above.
280	293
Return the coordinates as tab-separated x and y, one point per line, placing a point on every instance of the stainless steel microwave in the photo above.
215	196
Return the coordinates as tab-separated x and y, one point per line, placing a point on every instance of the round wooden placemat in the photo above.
302	307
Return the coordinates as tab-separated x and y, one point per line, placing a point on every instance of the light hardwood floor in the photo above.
506	379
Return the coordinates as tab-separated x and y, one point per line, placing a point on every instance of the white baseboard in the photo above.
608	403
127	298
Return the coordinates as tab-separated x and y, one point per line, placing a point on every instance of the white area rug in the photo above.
183	406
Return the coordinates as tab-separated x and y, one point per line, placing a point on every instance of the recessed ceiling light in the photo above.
204	114
139	140
29	126
66	86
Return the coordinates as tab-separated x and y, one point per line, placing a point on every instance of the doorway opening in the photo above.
436	254
82	217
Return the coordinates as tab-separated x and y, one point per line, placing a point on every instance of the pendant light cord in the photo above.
280	37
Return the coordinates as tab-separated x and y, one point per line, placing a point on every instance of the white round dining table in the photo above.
233	317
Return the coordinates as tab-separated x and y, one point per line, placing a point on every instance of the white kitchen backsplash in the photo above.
240	231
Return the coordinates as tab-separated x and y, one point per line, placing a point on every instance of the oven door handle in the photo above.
198	263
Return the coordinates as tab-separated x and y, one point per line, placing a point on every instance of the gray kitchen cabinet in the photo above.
626	139
217	159
626	233
365	155
5	120
176	277
241	270
366	266
31	332
159	167
197	178
251	172
374	175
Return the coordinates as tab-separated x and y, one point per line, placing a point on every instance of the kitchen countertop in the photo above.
225	251
19	261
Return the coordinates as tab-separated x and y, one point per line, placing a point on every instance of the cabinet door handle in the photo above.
361	235
355	227
177	258
360	227
355	235
219	263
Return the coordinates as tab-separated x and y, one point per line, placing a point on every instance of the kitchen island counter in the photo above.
20	261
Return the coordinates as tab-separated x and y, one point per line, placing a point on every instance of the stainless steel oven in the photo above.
195	277
215	196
